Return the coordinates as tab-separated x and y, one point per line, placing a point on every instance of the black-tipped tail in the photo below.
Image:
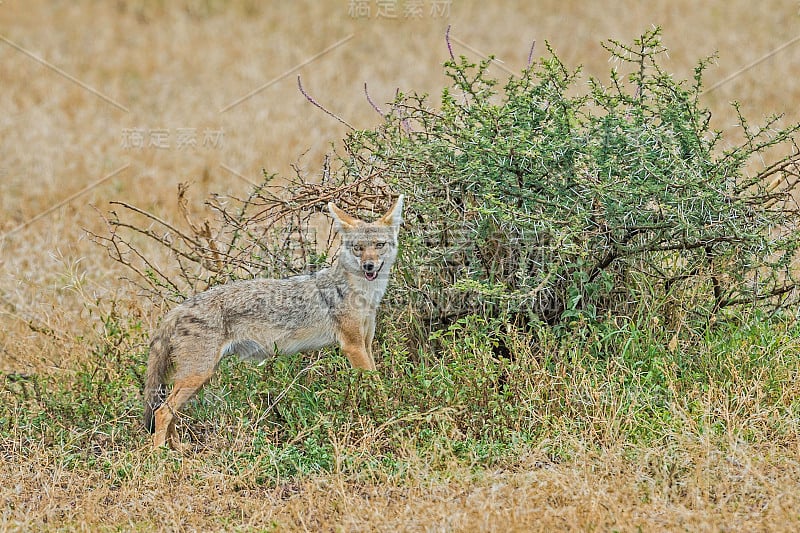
158	366
151	404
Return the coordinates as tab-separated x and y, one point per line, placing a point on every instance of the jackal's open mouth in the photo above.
371	276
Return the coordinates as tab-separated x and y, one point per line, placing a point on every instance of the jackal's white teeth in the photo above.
370	276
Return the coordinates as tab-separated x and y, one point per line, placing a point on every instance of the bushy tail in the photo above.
158	367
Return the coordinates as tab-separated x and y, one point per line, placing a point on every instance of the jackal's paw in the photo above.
161	442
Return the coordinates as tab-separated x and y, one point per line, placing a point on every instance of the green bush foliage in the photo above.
542	201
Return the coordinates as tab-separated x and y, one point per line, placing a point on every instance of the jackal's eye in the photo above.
357	248
380	245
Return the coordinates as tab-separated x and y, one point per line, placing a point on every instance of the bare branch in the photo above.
320	106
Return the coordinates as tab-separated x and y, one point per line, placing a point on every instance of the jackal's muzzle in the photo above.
371	269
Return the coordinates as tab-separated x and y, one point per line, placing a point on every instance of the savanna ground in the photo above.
212	88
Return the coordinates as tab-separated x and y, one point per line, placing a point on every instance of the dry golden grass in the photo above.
170	66
687	486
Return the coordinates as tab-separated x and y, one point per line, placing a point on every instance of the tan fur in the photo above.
255	319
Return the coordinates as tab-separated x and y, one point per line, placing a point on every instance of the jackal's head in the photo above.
368	247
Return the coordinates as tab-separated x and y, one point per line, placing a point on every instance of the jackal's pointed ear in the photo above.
394	217
341	219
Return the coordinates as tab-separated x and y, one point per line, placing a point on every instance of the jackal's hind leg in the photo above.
166	414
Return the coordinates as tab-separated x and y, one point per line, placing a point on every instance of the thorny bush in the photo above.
545	199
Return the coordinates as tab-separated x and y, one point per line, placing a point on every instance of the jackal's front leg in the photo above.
369	336
358	356
352	339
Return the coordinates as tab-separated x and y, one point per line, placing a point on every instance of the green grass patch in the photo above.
298	416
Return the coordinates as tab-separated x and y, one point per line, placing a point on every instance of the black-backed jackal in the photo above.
258	318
